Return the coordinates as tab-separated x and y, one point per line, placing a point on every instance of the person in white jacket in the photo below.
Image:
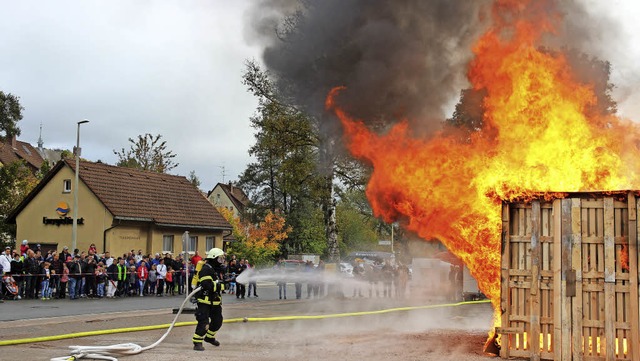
5	260
162	273
5	263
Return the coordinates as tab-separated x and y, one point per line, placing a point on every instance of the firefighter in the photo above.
209	308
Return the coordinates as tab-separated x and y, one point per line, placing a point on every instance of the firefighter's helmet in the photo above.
214	253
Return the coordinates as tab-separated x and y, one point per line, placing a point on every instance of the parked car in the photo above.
292	264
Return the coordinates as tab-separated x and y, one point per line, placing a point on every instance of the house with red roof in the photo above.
13	150
119	209
229	196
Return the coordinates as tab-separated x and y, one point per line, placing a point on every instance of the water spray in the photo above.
297	276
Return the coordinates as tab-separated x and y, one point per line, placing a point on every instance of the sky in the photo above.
175	68
172	68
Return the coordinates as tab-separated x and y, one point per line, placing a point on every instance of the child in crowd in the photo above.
153	279
143	274
232	283
63	281
52	284
46	276
101	278
169	280
132	278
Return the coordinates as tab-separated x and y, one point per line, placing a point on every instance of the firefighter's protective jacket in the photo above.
211	286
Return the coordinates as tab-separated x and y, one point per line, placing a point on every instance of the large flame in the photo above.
536	137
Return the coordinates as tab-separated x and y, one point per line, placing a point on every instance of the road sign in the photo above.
384	243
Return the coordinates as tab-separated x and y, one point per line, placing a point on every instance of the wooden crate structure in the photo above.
569	272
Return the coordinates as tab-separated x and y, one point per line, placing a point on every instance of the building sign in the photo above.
61	221
62	209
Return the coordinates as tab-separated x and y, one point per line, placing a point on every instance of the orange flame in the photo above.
624	257
537	137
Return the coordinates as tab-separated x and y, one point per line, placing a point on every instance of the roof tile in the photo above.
164	198
23	150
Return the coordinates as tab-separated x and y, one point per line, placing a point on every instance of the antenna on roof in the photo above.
224	172
41	143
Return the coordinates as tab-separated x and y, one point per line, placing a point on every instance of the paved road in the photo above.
357	337
31	309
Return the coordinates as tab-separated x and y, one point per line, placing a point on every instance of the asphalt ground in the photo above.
32	309
450	332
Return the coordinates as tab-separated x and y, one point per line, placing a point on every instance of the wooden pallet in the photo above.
569	276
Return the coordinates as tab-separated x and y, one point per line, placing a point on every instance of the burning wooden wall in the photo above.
569	272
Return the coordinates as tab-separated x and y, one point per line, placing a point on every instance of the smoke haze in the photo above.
397	59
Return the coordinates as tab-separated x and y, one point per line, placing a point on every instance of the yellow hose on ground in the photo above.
232	320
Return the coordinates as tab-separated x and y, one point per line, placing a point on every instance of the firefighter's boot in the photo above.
197	346
212	341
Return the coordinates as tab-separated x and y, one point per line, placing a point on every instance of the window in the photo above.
167	243
193	243
210	242
66	186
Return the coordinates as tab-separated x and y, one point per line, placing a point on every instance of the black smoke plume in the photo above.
397	58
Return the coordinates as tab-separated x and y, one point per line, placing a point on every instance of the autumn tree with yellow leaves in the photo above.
258	243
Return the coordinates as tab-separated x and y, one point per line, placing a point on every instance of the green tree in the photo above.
284	149
358	228
295	169
193	178
16	181
307	231
148	152
591	70
44	169
65	153
10	114
469	112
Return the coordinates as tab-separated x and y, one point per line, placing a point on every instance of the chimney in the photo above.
13	141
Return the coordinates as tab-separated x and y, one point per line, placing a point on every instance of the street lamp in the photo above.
76	152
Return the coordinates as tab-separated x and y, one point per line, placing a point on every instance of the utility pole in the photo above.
392	237
76	152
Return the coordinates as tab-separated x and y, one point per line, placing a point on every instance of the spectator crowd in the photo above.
30	273
79	274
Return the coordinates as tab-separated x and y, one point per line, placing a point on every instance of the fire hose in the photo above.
123	349
231	320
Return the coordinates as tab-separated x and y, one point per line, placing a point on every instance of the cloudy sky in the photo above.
171	68
133	67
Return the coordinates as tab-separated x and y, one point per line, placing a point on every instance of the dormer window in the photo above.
66	186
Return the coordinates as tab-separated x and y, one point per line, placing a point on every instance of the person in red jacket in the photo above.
143	274
24	247
196	258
